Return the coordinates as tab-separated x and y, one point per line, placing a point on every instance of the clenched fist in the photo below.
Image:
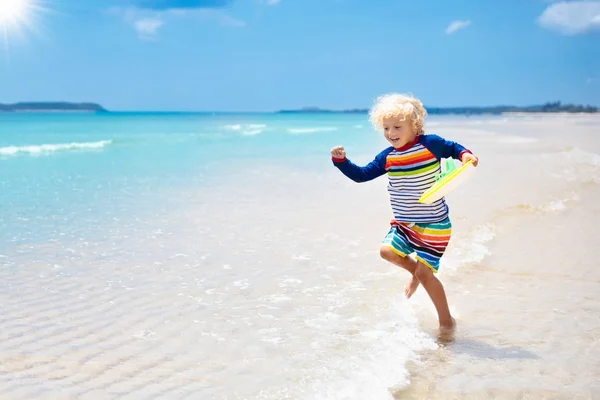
338	152
469	157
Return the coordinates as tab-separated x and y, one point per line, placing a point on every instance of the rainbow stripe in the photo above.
411	172
428	240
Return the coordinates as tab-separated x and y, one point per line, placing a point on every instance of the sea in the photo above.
222	256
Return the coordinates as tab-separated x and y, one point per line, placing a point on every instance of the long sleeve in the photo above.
359	174
443	148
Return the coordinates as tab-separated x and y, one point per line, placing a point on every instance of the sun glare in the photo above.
12	11
16	16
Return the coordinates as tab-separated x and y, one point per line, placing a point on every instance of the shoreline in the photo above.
486	343
534	284
160	248
465	115
467	111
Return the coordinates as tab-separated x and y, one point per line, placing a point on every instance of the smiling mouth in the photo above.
395	140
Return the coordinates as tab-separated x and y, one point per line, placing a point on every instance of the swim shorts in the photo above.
427	240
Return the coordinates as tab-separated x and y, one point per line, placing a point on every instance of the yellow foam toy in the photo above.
450	180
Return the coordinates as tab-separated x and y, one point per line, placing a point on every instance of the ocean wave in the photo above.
552	206
574	164
582	157
312	130
364	361
555	205
251	132
247	129
470	249
50	148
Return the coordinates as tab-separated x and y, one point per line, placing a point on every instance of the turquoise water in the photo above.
87	169
223	257
192	255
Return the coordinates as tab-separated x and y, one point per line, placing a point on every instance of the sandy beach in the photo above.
271	286
528	308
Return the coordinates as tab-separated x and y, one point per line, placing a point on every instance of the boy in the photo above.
412	163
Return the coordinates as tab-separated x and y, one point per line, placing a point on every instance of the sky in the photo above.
266	55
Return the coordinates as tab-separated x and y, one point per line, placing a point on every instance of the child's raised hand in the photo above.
338	152
468	156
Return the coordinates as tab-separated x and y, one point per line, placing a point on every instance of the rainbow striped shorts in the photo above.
428	240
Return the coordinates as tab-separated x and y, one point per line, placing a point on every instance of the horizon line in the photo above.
70	106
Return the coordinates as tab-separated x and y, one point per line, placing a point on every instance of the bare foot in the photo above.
411	286
448	328
447	331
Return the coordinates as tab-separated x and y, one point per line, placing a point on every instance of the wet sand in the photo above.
272	288
528	310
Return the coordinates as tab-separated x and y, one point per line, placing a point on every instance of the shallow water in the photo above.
528	325
223	257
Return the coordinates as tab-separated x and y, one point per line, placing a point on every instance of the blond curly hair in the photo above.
398	105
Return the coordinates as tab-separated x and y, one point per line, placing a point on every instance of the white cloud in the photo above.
147	27
456	26
146	22
571	17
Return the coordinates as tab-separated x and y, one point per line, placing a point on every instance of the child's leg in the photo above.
436	291
405	262
422	274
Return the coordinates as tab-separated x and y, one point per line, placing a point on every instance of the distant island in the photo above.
51	107
555	107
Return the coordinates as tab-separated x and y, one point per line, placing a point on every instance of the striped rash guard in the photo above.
411	170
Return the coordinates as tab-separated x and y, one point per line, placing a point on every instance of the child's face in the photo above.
398	132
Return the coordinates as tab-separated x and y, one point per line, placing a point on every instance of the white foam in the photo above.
560	204
252	132
290	282
582	157
470	249
144	334
50	148
554	205
312	130
376	357
247	129
557	205
574	164
242	284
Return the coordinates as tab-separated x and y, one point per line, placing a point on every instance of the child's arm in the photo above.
443	148
369	172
